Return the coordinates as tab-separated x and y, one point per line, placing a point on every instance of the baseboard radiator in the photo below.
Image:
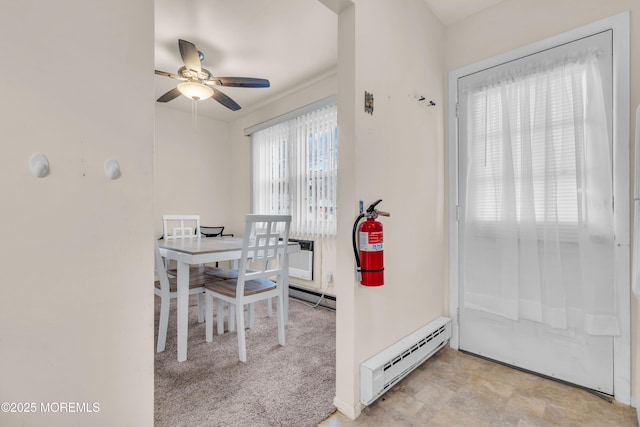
379	373
312	297
301	263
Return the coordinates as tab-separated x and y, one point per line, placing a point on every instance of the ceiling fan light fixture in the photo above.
195	90
194	78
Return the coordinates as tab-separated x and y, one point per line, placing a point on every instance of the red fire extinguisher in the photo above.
370	257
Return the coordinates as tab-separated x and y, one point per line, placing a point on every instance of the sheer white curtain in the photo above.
295	168
538	224
636	213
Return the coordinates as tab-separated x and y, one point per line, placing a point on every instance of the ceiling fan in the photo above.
197	82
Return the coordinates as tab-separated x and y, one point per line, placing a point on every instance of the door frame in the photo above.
621	182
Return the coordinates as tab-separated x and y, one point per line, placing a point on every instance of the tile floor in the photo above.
457	389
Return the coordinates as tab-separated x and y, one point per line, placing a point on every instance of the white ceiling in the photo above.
289	42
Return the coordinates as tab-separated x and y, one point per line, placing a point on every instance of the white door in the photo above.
548	347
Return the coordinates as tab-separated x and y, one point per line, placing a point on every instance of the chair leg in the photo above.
232	317
269	308
163	324
242	346
220	316
251	315
201	307
209	318
280	315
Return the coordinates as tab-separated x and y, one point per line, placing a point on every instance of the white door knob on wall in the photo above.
39	165
112	169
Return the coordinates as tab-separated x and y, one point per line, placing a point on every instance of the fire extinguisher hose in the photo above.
353	240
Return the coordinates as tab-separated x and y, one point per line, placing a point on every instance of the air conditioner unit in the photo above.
301	263
379	373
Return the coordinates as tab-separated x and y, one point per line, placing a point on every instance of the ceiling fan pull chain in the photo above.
194	112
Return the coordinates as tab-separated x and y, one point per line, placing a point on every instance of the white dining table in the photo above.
201	250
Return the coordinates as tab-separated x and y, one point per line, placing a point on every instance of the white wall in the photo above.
192	167
76	307
515	23
395	51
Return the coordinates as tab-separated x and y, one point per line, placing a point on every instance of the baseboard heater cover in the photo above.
379	373
313	297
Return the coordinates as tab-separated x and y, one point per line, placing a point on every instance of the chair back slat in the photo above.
266	239
180	226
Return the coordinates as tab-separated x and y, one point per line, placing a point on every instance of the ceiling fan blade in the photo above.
173	76
239	82
190	55
225	100
172	94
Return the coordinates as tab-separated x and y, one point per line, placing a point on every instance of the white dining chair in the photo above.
180	226
260	277
166	288
228	273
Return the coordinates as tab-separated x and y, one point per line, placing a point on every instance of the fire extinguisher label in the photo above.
371	242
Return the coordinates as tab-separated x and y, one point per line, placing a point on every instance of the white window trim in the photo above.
621	181
332	99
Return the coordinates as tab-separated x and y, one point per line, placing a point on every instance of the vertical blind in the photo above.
295	165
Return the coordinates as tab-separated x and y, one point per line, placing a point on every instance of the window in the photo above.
539	147
540	124
295	166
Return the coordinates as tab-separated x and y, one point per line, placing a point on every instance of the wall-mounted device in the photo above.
368	102
370	256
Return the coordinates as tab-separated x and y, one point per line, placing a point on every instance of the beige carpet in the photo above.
292	385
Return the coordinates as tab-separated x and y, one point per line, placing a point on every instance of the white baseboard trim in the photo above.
351	412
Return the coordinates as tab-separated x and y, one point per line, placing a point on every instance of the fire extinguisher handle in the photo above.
373	205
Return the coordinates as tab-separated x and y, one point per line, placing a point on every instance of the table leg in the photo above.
182	309
285	288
